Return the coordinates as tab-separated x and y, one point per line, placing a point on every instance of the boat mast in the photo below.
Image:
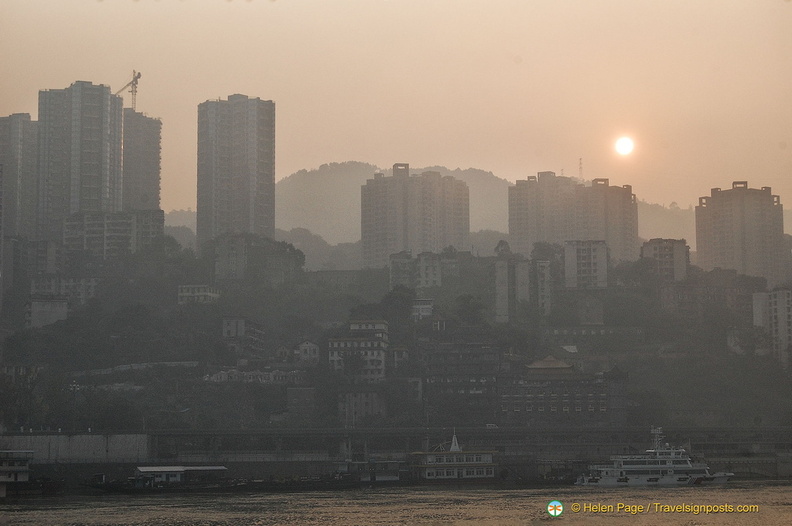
657	437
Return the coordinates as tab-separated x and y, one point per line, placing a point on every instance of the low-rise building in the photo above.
357	404
422	308
198	294
78	290
45	310
243	336
671	257
552	391
586	264
248	257
719	288
363	353
307	352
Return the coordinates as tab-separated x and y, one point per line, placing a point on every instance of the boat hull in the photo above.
659	481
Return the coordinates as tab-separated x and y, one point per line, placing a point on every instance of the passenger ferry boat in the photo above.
454	465
663	465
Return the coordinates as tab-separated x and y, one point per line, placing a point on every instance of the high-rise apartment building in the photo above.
111	235
552	209
671	257
141	165
79	154
18	156
742	229
236	167
512	286
424	213
773	312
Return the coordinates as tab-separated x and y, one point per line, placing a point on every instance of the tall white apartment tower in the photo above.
18	157
79	154
142	137
773	312
421	213
236	167
743	229
555	209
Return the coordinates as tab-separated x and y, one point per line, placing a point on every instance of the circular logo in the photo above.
555	508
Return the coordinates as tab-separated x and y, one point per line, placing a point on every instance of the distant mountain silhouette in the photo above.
326	200
669	223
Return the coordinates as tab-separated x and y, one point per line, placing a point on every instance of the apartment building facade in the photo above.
416	213
742	229
79	154
555	209
236	167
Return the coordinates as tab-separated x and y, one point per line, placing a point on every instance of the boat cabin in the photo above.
453	464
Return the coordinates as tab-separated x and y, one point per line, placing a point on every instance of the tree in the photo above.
502	249
469	309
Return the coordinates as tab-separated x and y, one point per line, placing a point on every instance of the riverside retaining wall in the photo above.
80	448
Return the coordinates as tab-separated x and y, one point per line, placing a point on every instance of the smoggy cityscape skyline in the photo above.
515	88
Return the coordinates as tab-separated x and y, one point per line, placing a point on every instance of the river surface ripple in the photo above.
434	506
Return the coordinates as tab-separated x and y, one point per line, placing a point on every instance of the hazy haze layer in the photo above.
511	87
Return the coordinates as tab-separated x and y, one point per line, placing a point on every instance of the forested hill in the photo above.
671	223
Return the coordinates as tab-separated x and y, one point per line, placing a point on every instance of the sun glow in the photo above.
624	146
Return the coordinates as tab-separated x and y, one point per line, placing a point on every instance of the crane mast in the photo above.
132	85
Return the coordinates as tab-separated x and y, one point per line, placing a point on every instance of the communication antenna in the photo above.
580	168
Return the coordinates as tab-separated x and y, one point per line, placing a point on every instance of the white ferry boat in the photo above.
663	465
454	465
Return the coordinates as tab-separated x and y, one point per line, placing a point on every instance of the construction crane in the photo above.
132	85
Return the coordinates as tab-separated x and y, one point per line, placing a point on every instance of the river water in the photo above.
764	503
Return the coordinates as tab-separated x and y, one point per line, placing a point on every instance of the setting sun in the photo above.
624	146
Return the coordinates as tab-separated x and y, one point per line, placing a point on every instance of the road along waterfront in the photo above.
765	503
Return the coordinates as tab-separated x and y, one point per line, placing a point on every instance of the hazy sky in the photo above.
704	87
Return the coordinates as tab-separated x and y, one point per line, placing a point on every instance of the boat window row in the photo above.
566	409
439	459
455	473
654	462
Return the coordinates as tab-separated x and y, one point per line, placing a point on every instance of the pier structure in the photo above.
522	452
